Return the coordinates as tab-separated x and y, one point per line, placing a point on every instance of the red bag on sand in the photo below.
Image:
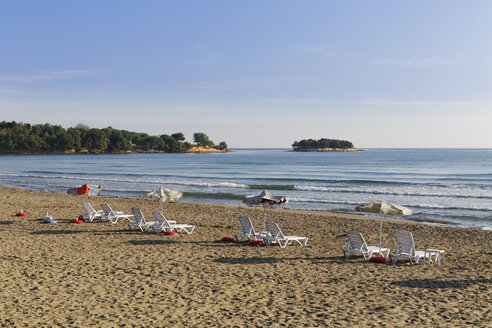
170	233
77	221
256	242
378	259
228	239
21	214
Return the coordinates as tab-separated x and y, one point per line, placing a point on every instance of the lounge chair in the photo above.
159	223
113	216
357	244
90	212
247	230
274	235
405	247
138	221
169	226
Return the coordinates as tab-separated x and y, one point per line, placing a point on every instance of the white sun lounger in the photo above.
159	223
113	216
138	221
169	226
357	244
90	212
274	235
247	230
405	248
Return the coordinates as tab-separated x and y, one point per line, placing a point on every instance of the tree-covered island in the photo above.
24	138
323	145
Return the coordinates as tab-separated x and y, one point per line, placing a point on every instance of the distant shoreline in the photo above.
200	150
328	150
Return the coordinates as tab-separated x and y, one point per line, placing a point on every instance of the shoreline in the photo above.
193	150
361	216
327	150
372	216
102	274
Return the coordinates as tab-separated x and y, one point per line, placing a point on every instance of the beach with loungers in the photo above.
109	275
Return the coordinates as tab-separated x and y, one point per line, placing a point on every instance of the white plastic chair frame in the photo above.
247	230
158	224
168	226
113	216
357	244
275	235
405	248
90	212
138	220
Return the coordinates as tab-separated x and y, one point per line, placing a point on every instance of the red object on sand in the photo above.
21	214
78	221
170	233
228	239
256	242
90	190
378	259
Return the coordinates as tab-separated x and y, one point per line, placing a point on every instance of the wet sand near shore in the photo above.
104	275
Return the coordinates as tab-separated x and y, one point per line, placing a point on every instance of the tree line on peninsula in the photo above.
46	138
323	143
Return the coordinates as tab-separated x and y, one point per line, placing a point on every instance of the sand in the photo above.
103	275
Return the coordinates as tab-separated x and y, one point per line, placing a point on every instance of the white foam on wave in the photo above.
445	207
223	184
323	201
413	191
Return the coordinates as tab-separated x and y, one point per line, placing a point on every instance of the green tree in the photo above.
178	136
76	135
221	146
309	144
202	140
22	137
118	142
36	144
96	140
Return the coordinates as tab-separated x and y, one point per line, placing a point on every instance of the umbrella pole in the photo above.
264	218
380	234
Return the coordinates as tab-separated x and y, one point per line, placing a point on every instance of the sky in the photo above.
254	73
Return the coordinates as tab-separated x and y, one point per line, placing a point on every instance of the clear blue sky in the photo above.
254	73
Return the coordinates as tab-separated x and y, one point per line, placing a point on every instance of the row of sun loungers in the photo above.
137	219
405	248
106	214
272	235
159	225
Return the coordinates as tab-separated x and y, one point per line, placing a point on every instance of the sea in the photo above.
441	186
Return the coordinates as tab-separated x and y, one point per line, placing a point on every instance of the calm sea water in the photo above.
451	186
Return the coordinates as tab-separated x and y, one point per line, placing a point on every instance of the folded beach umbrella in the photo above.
163	195
383	207
265	199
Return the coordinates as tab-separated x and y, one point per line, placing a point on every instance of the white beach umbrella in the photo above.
163	195
383	207
265	199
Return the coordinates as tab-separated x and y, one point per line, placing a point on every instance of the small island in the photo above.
323	145
24	138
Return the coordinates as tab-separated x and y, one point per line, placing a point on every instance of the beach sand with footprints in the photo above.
104	275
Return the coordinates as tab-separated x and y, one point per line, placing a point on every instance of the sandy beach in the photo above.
103	275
